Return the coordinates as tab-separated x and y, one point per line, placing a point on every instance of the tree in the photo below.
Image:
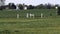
47	6
41	6
21	6
58	11
53	6
12	6
2	7
56	5
30	7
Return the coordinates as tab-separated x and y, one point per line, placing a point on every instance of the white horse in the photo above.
30	15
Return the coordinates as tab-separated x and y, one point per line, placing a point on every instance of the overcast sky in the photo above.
33	2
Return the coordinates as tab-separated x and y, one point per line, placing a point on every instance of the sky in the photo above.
33	2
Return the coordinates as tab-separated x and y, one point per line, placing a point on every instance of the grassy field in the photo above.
49	24
37	12
30	26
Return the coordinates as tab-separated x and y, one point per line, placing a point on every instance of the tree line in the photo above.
40	6
21	6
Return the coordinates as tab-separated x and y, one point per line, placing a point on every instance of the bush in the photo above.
58	11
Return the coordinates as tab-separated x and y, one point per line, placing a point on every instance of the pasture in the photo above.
30	26
22	13
9	24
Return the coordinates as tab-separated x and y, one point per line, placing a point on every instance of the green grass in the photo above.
37	12
9	24
30	26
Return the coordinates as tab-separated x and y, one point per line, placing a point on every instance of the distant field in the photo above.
9	24
37	12
30	26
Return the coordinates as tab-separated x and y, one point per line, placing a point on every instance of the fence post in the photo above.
41	15
17	16
27	15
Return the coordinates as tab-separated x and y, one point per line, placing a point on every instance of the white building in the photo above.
2	2
25	8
